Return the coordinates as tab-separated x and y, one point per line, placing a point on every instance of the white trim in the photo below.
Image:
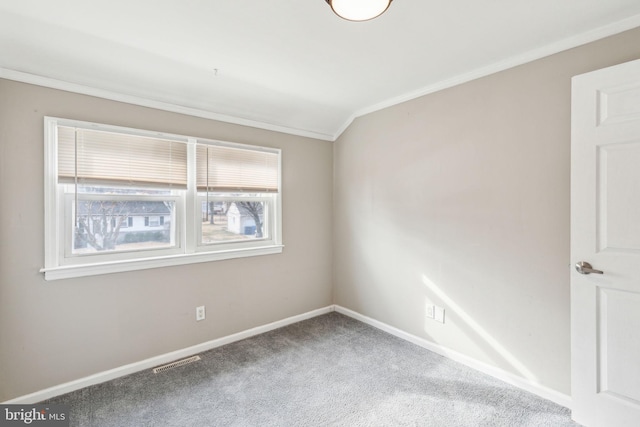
190	225
346	124
162	359
509	378
532	55
81	270
51	230
60	265
37	80
511	62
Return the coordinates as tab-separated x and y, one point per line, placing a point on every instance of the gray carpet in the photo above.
327	371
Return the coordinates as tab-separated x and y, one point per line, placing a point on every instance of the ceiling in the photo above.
286	65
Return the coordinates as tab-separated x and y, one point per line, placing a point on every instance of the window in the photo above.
236	206
121	199
126	223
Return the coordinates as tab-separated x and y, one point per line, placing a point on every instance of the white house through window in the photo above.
121	199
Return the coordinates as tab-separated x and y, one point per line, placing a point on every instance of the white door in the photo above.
605	232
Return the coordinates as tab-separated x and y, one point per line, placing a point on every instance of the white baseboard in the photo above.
509	378
160	360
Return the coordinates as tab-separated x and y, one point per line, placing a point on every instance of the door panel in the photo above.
619	344
605	232
618	206
619	104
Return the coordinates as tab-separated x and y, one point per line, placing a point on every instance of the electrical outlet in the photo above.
200	313
430	311
439	314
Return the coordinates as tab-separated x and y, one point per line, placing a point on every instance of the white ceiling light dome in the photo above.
359	10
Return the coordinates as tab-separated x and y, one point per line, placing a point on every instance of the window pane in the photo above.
109	224
233	220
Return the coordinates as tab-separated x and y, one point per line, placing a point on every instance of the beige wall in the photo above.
461	198
54	332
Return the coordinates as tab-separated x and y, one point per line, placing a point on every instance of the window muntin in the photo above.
117	195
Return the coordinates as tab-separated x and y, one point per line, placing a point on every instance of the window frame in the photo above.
188	249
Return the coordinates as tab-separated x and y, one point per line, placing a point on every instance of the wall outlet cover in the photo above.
430	311
200	313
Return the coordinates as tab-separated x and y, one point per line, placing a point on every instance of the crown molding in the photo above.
514	61
532	55
37	80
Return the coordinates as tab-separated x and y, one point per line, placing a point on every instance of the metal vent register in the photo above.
176	364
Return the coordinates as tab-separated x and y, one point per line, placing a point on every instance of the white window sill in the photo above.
66	272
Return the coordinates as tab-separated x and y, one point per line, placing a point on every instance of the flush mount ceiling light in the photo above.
359	10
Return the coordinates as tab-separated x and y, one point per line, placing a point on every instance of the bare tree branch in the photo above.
255	209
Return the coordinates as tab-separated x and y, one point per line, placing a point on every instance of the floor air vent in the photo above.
176	364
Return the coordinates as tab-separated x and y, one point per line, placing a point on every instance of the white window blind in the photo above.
106	158
230	169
